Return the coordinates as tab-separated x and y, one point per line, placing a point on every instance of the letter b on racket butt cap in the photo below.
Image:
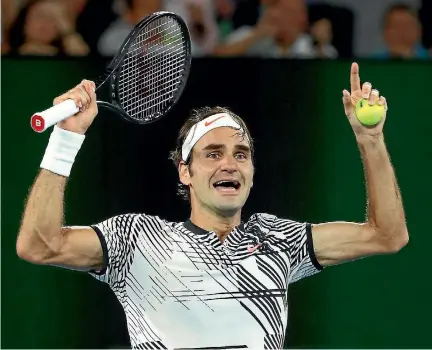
41	121
37	123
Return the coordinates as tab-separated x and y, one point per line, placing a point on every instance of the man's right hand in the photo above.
85	98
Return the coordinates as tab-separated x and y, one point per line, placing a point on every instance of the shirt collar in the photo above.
200	231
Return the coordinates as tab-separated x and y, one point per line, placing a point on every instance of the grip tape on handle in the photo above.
43	120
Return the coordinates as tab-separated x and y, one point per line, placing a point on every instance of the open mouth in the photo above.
227	185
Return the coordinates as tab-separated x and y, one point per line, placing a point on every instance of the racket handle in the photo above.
43	120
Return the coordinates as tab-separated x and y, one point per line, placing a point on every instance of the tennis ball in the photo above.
367	114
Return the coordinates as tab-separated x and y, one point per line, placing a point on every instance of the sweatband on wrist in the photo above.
203	127
61	151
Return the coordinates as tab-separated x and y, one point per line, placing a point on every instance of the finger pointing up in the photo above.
355	79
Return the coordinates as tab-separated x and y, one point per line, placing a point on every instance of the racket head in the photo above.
150	72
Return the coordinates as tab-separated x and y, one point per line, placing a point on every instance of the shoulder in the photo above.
261	218
280	234
134	221
272	222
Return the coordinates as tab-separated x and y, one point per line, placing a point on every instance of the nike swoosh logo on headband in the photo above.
211	122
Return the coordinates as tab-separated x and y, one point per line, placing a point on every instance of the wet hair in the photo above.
196	116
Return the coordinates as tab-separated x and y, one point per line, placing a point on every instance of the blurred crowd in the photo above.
325	29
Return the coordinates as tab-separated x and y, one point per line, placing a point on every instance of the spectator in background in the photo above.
225	10
322	34
93	21
366	24
402	34
332	28
280	32
248	40
201	18
9	11
132	12
46	27
198	14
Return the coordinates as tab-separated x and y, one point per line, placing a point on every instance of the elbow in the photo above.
402	241
31	251
22	251
25	253
397	242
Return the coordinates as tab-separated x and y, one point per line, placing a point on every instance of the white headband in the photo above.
203	127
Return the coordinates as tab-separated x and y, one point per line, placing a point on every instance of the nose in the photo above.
229	164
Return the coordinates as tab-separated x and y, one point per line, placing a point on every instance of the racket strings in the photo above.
170	79
152	80
154	77
154	89
157	99
179	51
153	69
156	74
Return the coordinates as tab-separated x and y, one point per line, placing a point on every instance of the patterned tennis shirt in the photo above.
182	288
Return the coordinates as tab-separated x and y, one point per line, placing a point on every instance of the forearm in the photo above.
40	232
385	211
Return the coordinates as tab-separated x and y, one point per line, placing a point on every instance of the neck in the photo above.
210	221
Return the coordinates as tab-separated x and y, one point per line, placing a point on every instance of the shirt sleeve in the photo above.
295	238
118	236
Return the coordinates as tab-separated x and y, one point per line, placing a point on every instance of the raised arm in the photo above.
42	239
385	230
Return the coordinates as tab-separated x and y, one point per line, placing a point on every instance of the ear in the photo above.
184	174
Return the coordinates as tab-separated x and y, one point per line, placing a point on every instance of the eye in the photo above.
213	155
240	156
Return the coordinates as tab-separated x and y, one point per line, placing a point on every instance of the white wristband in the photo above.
61	151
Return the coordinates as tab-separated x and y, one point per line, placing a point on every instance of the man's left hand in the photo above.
358	92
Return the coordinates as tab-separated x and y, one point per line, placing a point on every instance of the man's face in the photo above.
220	175
402	28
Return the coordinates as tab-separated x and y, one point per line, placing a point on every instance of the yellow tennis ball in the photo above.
367	114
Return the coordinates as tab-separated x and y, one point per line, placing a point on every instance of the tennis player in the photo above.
213	281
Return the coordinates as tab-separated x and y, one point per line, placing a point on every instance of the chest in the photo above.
200	284
195	267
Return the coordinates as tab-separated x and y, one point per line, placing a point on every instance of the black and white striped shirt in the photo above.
182	288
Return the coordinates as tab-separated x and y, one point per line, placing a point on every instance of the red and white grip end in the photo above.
43	120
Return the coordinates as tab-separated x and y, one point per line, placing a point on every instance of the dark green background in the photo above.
308	169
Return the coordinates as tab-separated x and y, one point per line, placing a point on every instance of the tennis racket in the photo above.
146	77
